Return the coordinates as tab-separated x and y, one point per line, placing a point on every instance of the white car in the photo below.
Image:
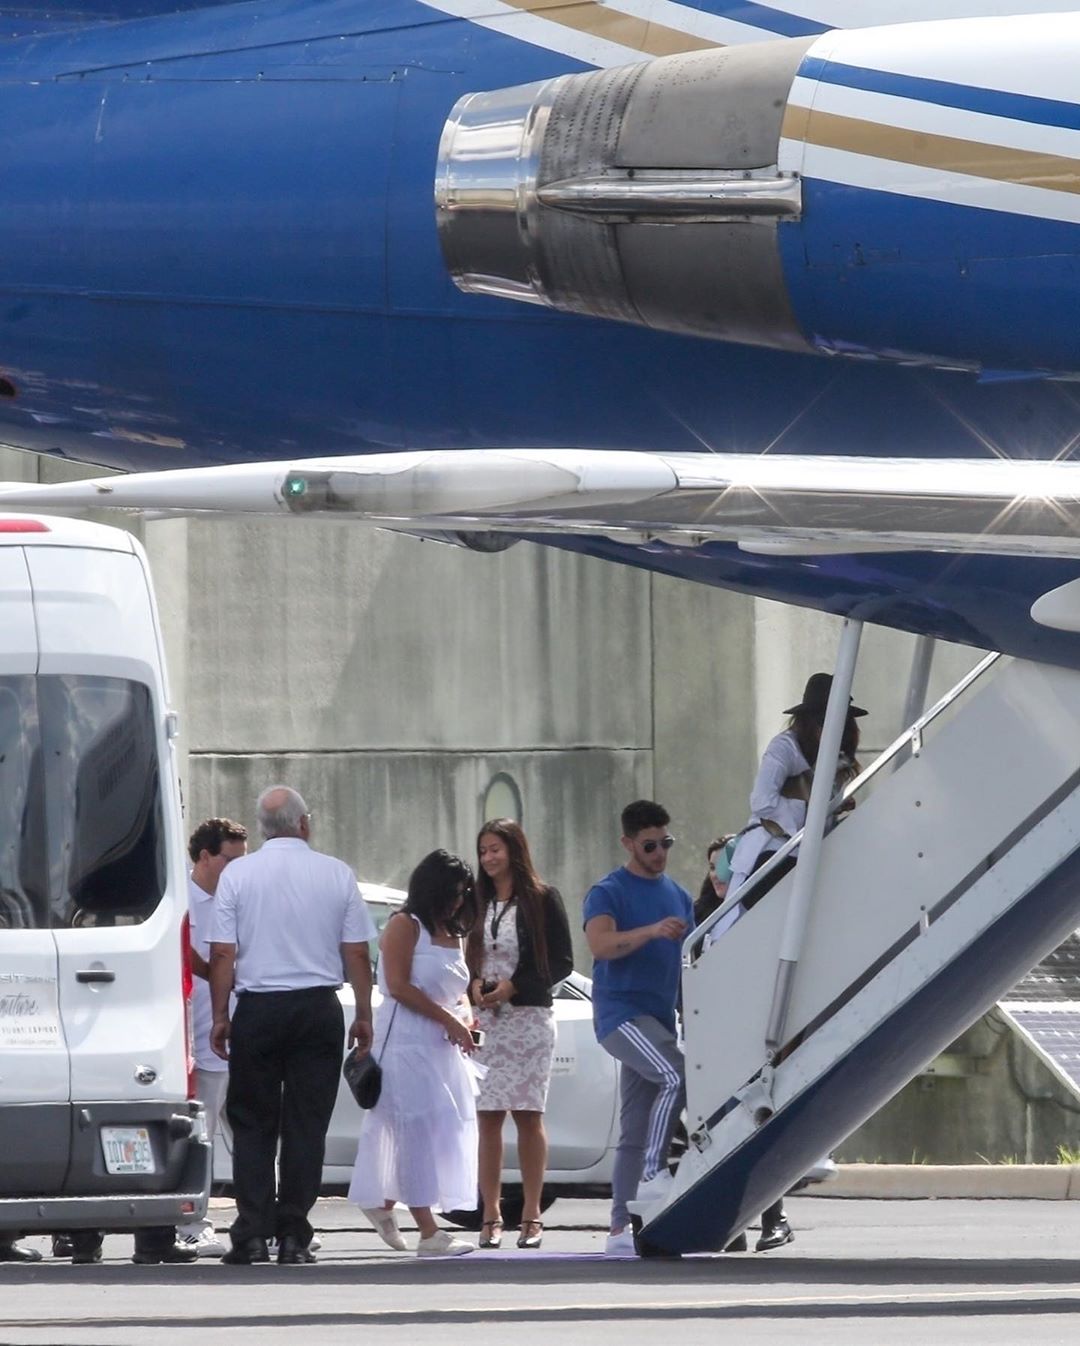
582	1111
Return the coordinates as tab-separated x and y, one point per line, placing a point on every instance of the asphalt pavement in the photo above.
865	1271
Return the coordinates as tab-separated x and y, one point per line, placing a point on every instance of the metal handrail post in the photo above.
918	680
817	811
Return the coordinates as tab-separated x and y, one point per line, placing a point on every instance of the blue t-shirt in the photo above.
647	980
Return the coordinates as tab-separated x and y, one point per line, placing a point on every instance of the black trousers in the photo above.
285	1057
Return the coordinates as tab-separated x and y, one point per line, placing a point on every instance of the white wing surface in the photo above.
769	503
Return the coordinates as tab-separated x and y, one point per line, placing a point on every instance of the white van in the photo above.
98	1124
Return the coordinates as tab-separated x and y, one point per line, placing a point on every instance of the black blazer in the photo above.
532	987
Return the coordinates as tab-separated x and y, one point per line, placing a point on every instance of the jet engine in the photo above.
908	193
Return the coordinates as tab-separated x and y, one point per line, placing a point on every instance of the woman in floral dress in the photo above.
518	950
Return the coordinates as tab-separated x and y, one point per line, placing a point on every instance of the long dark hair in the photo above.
806	725
434	887
526	885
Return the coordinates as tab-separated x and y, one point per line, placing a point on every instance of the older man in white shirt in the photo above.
287	920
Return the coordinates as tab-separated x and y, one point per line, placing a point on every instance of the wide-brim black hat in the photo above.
815	697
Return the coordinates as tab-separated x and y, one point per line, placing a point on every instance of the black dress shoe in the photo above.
85	1248
172	1253
244	1254
775	1236
293	1253
737	1244
11	1252
62	1245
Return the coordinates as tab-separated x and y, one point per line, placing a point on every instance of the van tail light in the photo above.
187	988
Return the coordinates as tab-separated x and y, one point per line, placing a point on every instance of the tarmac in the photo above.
861	1270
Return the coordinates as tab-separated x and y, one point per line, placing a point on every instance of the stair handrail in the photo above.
694	942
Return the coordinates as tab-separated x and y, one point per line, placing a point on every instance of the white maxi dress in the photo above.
419	1143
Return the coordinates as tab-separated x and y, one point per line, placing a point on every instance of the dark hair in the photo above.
706	901
212	834
807	726
528	889
434	886
643	813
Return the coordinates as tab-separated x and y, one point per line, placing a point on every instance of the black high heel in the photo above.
531	1240
494	1239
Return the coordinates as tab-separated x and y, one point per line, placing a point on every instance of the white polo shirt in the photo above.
201	920
288	909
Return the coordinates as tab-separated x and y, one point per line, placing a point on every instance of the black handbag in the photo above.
363	1074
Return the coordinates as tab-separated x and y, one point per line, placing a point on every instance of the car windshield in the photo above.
381	911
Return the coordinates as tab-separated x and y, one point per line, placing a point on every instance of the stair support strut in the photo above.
808	861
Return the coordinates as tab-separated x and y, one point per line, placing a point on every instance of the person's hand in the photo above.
671	927
476	990
460	1035
360	1035
502	993
219	1038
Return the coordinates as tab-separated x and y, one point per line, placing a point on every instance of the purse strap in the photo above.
388	1032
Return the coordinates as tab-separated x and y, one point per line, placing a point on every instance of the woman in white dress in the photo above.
419	1142
518	950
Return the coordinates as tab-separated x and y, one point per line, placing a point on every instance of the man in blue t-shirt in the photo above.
635	920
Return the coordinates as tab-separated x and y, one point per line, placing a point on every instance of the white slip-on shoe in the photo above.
443	1244
386	1226
621	1244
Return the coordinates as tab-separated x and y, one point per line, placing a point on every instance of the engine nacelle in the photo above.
908	193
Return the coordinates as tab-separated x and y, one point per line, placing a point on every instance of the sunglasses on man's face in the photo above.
649	846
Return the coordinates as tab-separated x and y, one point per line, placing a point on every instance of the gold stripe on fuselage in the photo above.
600	20
1000	163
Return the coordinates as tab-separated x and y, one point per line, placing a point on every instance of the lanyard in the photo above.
501	908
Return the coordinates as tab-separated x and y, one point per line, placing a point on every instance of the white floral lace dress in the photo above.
519	1040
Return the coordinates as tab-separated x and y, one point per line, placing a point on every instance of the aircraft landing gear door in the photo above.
34	1070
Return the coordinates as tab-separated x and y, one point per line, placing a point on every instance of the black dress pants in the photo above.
285	1057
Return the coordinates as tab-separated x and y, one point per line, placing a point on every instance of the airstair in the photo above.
958	871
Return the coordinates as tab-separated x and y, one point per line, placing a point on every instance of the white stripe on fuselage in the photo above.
957	189
709	25
1025	54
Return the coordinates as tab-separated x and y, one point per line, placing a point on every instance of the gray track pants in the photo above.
651	1096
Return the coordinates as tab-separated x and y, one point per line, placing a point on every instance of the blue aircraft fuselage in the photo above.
219	245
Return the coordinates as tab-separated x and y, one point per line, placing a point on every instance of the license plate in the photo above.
127	1149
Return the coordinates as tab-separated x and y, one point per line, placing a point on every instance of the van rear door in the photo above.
102	702
34	1072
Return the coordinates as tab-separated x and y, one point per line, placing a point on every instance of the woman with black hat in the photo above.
777	811
782	788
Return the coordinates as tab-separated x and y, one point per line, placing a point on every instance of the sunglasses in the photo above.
649	846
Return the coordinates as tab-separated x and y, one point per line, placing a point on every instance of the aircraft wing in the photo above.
784	504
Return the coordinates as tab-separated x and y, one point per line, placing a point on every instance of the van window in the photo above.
82	839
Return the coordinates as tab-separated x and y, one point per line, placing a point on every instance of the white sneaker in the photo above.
206	1243
657	1188
386	1226
823	1171
621	1244
443	1244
